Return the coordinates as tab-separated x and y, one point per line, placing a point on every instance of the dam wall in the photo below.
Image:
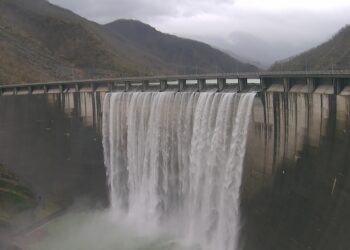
295	184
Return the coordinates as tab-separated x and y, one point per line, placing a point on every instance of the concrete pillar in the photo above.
93	87
145	85
201	84
221	83
110	87
46	89
77	87
127	86
15	91
163	85
337	86
242	84
182	85
60	88
30	90
263	84
311	84
286	84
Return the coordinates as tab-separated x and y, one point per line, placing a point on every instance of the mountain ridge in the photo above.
333	54
176	50
40	41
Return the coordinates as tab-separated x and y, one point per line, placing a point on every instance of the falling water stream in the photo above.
174	166
174	162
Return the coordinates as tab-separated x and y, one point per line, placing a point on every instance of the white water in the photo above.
174	162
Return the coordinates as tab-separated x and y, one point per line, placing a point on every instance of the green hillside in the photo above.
42	42
333	54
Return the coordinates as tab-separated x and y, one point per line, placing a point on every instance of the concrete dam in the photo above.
246	162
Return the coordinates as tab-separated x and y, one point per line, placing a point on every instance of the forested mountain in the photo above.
333	54
183	54
40	42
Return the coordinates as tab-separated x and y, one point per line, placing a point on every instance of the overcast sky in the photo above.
295	24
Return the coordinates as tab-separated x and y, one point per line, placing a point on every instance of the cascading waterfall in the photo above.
176	159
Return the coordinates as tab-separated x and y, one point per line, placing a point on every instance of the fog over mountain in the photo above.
281	27
333	54
250	48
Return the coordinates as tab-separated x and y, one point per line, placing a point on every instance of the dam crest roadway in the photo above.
318	82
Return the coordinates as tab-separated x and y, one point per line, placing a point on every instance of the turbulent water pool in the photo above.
180	170
101	230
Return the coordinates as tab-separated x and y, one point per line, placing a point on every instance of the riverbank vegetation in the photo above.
15	197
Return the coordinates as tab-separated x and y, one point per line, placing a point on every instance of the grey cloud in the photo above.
107	10
259	34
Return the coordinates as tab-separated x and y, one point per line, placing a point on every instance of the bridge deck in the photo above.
303	81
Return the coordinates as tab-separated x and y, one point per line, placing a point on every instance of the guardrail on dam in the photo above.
321	82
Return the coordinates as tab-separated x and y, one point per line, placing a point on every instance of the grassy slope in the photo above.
42	42
184	54
14	196
334	53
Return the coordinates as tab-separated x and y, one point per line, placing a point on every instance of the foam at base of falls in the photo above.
175	160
